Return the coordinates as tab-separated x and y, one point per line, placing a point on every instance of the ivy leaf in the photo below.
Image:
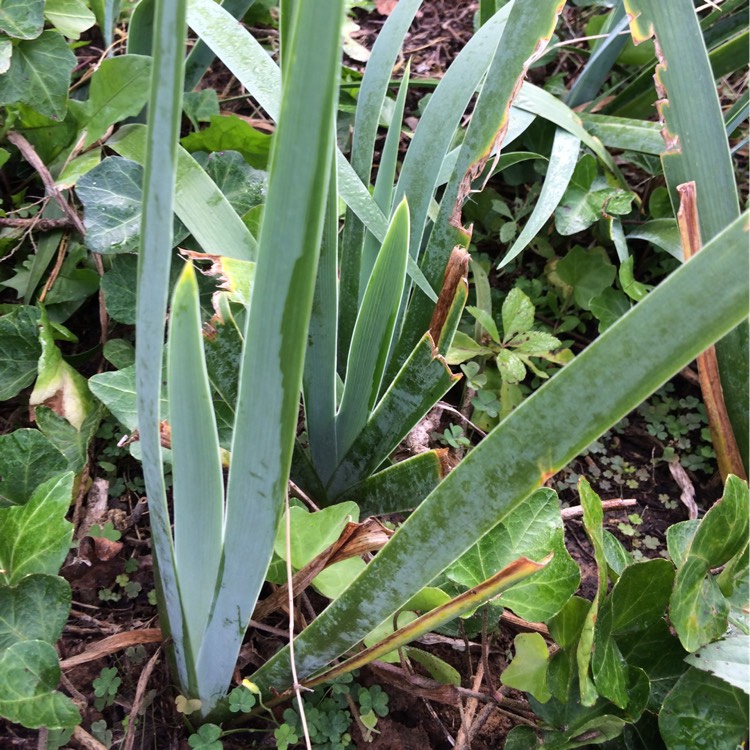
29	673
728	659
231	133
36	609
59	385
35	538
19	342
27	459
111	195
70	17
39	75
528	670
118	287
243	186
589	272
22	19
703	711
698	609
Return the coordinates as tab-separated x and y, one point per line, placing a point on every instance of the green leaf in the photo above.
528	670
511	366
565	626
219	231
273	356
532	532
22	19
200	106
373	331
120	353
589	272
464	348
70	441
118	288
70	17
518	314
703	711
19	340
30	672
231	133
35	609
485	321
727	659
27	459
698	609
116	390
664	233
39	75
243	186
593	516
116	92
562	162
640	595
58	385
334	579
439	670
36	537
659	654
197	486
111	195
313	532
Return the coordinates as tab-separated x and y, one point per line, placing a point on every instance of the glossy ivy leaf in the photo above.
659	654
703	711
35	538
698	609
27	459
728	659
73	443
593	516
588	272
39	75
311	533
565	626
118	287
111	195
29	673
116	390
120	353
335	578
70	17
532	532
59	385
117	91
230	133
243	186
22	19
35	609
679	536
19	342
528	670
588	198
200	106
638	599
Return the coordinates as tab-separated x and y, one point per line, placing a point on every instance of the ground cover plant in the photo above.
240	271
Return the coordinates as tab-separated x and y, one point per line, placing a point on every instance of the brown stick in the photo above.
140	692
113	644
29	153
725	444
41	225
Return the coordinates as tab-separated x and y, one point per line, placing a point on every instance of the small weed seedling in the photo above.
106	686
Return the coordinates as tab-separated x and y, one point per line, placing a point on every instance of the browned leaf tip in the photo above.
456	272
